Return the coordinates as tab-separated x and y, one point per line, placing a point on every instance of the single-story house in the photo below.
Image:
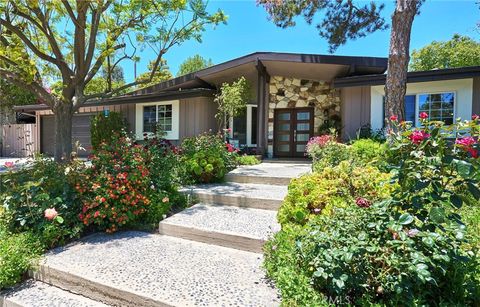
293	96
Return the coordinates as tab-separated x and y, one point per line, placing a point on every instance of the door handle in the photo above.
295	135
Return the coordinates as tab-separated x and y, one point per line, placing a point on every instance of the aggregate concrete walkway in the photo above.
207	255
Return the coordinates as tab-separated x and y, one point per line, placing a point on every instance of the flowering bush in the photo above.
207	158
40	198
325	151
115	190
367	151
319	193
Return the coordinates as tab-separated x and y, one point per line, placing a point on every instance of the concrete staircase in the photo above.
206	255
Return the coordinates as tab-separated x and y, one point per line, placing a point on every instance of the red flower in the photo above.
473	152
96	214
418	136
362	202
475	117
230	148
423	115
393	118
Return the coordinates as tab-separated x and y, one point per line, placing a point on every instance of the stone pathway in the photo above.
207	255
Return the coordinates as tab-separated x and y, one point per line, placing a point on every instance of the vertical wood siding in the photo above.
355	110
19	140
197	115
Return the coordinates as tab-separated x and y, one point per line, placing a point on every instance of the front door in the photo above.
292	130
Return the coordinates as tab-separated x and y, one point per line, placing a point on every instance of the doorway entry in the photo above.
292	130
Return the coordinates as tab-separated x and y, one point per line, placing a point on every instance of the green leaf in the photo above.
405	219
474	190
464	168
456	201
437	215
59	219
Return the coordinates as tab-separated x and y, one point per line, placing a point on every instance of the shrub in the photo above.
17	252
207	158
43	185
247	160
367	151
116	189
325	151
319	193
103	128
370	255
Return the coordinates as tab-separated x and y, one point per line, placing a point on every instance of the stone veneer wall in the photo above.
288	92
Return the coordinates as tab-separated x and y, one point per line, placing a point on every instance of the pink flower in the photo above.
475	117
393	118
230	148
96	214
50	214
423	115
466	141
165	200
418	136
412	232
9	164
362	202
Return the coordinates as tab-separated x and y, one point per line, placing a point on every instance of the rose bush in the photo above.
326	151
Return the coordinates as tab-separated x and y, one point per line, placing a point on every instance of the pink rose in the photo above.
393	118
418	136
475	117
423	115
466	141
51	214
9	164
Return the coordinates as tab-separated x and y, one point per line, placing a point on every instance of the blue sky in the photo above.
248	30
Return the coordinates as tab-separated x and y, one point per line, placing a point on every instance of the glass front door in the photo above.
292	130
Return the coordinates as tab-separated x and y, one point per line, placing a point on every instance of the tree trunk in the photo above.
63	132
399	56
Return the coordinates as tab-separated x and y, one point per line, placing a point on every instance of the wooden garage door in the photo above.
80	133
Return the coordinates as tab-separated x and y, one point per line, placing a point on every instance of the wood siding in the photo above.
476	96
355	110
18	140
197	115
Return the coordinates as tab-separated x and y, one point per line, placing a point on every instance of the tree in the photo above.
345	19
459	51
71	41
232	100
161	74
193	64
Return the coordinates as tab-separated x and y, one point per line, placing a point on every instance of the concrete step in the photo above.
241	228
38	294
259	196
268	173
141	269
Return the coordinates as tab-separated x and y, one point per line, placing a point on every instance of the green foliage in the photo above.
17	254
367	151
193	64
320	193
325	151
207	158
247	160
28	192
103	128
232	99
341	20
459	51
12	95
162	74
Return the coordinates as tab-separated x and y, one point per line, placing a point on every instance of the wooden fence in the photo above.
18	140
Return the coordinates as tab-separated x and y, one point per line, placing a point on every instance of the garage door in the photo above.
80	133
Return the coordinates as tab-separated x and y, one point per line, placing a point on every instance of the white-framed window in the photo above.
163	114
439	106
244	127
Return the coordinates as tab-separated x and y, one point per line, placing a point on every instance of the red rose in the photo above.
418	136
393	118
423	115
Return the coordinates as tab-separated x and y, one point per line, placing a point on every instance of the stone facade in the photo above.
288	92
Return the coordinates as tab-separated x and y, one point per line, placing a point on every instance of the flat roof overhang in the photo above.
412	77
162	96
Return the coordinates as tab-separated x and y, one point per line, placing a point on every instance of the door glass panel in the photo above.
284	116
300	148
284	127
303	115
303	126
283	147
303	137
284	137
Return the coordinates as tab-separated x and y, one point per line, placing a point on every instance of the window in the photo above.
439	106
161	114
244	127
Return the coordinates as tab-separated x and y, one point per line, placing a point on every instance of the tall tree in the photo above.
70	41
161	74
193	64
346	19
459	51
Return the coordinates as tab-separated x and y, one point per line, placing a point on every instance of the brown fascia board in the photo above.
412	77
200	92
353	61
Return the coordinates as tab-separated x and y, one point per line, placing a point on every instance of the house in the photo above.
293	96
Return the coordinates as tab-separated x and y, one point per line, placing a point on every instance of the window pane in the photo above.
439	107
300	148
254	125
284	148
303	115
303	137
165	117
284	116
410	108
240	128
284	127
303	127
149	118
284	137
